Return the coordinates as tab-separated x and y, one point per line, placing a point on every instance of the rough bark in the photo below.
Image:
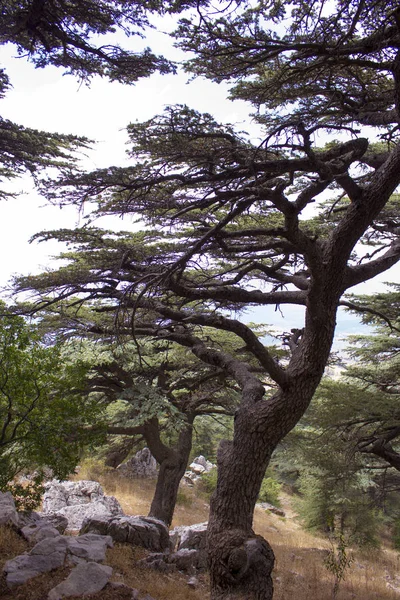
173	463
241	561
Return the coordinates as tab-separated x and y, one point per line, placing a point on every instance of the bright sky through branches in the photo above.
46	100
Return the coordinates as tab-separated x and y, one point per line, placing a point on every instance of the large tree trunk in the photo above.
173	463
240	561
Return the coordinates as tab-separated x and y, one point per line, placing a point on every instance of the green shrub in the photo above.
270	489
183	500
208	482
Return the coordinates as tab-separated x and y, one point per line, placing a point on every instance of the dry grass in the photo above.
299	571
11	544
135	495
123	558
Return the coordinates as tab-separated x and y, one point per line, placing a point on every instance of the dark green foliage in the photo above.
339	505
208	431
83	39
23	149
75	35
340	494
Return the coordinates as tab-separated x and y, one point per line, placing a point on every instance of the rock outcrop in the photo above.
147	532
77	501
141	466
84	579
8	512
196	469
53	553
85	552
188	544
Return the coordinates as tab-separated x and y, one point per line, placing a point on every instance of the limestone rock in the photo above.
201	465
29	518
76	501
8	512
193	582
52	553
188	560
78	513
87	578
147	532
143	465
190	478
192	537
190	545
271	508
38	531
197	468
59	494
47	555
89	547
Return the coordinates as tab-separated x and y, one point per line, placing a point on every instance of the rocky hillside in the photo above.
69	552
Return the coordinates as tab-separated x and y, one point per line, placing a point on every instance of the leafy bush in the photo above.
26	496
208	482
183	499
269	491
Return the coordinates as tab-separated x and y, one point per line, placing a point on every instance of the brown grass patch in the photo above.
11	544
36	588
123	559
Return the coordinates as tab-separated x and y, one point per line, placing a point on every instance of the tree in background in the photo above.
376	370
44	413
153	392
228	222
157	396
347	445
340	489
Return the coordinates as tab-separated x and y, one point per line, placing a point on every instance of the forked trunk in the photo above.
170	474
173	463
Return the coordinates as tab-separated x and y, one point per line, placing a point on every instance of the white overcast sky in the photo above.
45	99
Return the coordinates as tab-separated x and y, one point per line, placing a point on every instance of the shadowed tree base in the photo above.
241	566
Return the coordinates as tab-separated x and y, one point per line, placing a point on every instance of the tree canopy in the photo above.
77	36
